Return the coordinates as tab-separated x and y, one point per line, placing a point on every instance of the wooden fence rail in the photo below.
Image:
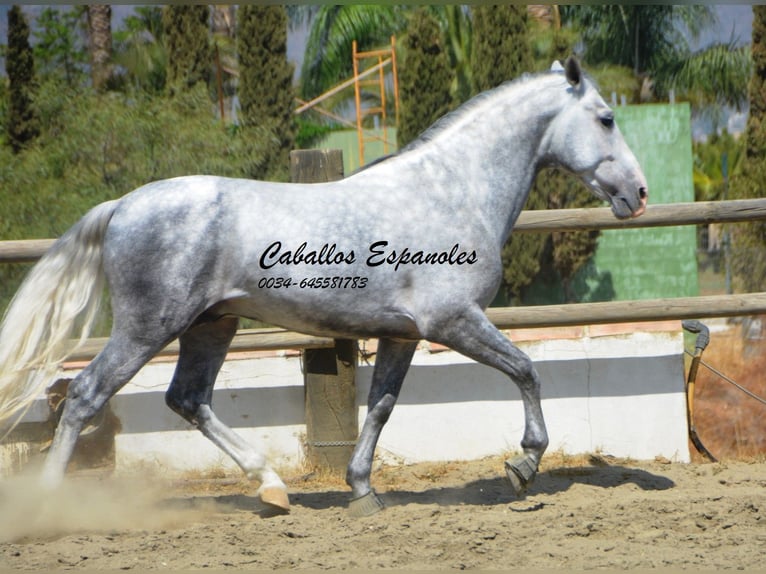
512	318
532	316
660	215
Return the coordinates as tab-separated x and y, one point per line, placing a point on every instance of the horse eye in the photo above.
607	120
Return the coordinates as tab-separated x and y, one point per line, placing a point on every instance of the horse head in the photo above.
584	139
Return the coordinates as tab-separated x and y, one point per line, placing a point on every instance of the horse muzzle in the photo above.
643	198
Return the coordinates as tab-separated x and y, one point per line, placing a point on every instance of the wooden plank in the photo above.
660	215
704	307
270	339
24	250
537	316
339	88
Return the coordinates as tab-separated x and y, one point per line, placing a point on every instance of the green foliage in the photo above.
139	51
569	251
455	23
643	37
186	38
424	79
650	40
749	239
265	88
617	80
96	147
21	125
522	255
60	49
708	164
500	49
550	258
310	133
717	75
549	42
327	60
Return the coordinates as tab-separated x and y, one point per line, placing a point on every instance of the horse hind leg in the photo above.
202	351
391	365
87	394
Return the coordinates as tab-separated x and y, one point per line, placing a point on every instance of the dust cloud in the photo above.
91	505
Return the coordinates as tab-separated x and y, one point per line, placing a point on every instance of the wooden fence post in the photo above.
328	374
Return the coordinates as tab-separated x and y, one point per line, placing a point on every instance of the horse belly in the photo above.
349	315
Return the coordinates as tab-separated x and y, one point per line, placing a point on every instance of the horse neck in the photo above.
494	151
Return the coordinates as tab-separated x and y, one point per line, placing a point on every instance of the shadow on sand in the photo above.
482	492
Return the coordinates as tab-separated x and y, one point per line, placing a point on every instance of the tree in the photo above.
500	52
140	51
649	40
455	23
643	37
186	29
424	79
60	50
749	239
327	59
100	36
23	125
266	89
500	49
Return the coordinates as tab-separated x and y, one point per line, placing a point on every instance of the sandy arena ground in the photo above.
581	513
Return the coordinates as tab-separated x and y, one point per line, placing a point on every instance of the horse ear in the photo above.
573	71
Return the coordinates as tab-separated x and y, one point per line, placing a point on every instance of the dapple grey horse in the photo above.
404	250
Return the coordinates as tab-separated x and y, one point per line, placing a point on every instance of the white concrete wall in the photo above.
618	394
622	395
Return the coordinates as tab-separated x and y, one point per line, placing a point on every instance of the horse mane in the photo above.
451	118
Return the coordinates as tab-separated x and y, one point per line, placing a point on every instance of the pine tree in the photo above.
266	83
748	260
500	48
424	78
23	124
186	31
501	52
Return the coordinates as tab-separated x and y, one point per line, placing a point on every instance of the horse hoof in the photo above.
365	505
275	499
521	472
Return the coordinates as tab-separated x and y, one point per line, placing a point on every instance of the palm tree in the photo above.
650	40
327	59
140	50
100	43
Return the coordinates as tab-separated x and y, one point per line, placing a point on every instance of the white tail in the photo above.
65	286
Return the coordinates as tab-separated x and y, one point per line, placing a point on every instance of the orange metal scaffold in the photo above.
383	57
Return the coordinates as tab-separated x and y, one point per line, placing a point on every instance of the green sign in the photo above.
661	261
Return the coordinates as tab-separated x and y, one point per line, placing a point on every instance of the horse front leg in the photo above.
474	336
391	364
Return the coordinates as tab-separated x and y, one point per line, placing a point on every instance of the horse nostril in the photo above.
643	193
